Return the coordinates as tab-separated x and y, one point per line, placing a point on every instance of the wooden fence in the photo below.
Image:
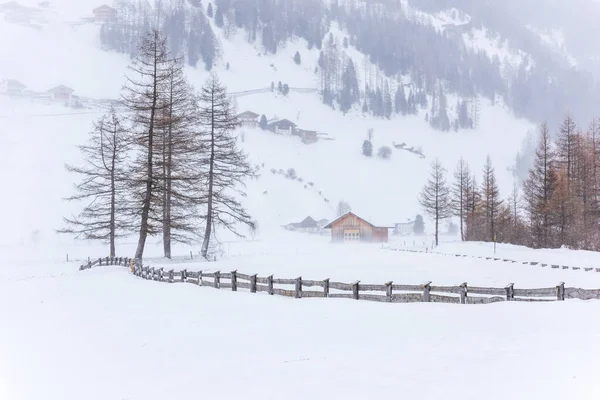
500	259
388	292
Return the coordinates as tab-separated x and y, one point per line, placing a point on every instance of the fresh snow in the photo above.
105	334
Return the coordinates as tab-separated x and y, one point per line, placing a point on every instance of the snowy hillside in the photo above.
335	167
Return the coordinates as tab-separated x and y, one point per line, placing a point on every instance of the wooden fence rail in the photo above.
388	292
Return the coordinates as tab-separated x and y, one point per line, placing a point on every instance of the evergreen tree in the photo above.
435	197
297	58
419	226
219	18
263	122
226	166
387	100
103	186
400	100
464	121
349	93
208	48
367	148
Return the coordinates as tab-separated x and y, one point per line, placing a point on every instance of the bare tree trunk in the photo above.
113	196
149	163
209	210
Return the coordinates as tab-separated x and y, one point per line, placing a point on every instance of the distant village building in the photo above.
282	127
308	224
104	13
249	119
350	228
307	137
404	228
61	93
12	87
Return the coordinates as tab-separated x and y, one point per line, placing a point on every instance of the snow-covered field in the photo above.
105	334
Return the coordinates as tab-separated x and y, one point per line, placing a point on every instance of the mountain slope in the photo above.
382	190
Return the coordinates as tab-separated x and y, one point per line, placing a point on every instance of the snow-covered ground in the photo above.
105	334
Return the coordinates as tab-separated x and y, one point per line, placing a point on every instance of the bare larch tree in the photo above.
539	188
142	97
179	164
435	197
491	201
460	193
226	166
103	184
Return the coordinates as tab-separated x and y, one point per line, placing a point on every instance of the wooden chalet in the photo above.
104	13
282	127
350	228
249	119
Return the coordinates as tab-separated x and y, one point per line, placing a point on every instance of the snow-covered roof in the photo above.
61	89
370	222
248	114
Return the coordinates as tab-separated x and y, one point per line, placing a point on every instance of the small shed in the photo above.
61	93
350	228
104	13
282	127
248	118
307	136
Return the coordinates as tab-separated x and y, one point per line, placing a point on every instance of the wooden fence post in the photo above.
510	292
355	290
99	261
184	275
89	264
298	288
388	291
270	284
234	281
171	276
463	293
427	292
107	261
560	291
160	274
253	283
326	287
200	278
217	283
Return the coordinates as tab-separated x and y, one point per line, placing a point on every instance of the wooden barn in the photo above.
350	228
